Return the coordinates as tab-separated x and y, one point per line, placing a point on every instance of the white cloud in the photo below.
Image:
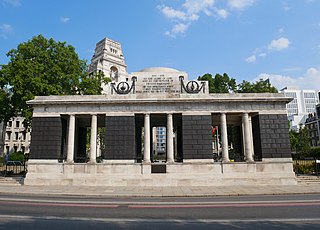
64	19
313	73
279	44
197	6
191	10
291	69
172	13
251	59
5	29
240	4
274	45
222	13
177	29
286	8
14	3
310	80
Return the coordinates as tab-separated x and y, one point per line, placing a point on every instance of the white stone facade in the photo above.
108	59
251	138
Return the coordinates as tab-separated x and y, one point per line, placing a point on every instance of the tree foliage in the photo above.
300	142
219	83
43	67
225	84
257	87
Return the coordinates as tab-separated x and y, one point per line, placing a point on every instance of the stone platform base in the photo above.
177	174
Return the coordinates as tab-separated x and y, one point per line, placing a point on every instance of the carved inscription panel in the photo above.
158	84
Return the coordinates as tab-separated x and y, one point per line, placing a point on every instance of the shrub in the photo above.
17	156
315	152
305	168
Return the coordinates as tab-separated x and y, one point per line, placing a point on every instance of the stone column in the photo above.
243	139
170	152
71	134
247	138
146	155
93	139
154	140
251	135
224	138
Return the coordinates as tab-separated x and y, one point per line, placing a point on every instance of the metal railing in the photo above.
15	168
306	166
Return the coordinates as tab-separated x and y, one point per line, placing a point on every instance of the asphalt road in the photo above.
241	212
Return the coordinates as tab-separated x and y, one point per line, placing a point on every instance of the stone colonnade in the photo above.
246	134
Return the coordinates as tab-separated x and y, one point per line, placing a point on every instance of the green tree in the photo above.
42	67
294	140
304	142
257	87
225	84
219	83
300	142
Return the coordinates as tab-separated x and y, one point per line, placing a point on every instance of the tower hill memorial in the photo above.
210	139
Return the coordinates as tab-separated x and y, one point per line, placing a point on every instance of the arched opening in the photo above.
114	73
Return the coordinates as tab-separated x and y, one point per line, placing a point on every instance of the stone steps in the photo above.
11	181
308	179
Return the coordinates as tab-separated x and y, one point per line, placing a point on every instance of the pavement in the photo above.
135	191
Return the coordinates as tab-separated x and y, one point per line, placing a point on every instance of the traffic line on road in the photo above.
227	205
155	221
156	203
60	204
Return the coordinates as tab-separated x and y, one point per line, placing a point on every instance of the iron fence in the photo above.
306	166
14	168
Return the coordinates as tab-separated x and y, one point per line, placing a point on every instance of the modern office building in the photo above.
304	103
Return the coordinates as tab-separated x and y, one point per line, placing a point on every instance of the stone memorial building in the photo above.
109	139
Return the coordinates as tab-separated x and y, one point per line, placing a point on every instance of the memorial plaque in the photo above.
157	84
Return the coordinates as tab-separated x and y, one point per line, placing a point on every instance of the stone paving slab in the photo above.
161	191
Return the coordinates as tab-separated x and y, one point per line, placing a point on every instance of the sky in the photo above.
247	39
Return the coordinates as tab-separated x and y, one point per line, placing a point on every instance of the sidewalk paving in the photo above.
132	191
